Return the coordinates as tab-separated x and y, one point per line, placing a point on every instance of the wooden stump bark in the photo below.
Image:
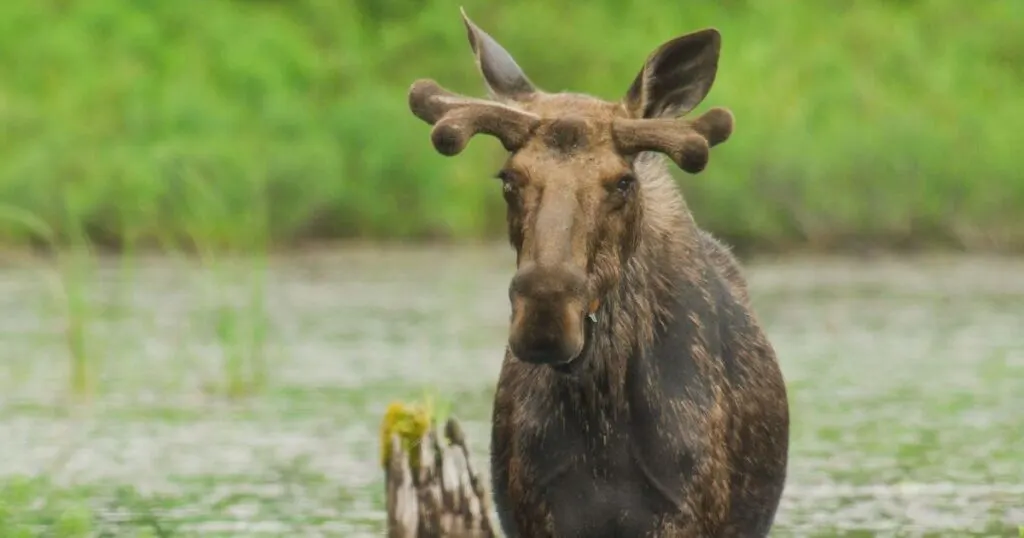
432	489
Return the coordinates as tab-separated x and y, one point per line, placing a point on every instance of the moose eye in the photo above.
508	182
625	183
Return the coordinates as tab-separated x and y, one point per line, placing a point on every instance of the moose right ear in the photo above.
504	78
676	77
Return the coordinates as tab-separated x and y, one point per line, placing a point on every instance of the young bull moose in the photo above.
638	395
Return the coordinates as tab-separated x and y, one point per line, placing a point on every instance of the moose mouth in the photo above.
552	320
573	365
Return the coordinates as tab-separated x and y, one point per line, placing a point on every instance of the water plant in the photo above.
70	270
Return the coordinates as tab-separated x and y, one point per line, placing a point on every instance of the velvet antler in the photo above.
685	142
457	118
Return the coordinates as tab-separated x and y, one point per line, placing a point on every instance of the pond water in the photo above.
906	379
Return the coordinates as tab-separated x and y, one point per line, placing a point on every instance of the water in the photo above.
906	380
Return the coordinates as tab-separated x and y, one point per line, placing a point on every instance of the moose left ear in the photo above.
676	77
504	78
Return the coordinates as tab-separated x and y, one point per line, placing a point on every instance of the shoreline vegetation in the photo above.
256	126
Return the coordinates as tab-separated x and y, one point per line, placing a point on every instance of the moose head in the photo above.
575	196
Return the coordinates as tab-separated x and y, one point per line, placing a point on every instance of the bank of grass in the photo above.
164	122
239	324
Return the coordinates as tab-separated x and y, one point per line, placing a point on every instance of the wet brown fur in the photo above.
672	420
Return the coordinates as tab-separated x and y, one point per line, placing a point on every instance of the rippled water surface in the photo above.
906	380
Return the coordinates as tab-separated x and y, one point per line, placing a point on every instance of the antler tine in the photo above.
687	143
457	118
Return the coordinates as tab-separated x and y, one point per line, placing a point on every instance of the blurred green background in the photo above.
257	384
238	124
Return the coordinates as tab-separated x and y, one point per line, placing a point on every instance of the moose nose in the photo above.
559	283
547	313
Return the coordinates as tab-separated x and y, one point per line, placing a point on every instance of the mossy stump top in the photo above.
432	489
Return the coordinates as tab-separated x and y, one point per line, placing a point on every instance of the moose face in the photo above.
574	200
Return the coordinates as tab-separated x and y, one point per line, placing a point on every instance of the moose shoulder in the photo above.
638	395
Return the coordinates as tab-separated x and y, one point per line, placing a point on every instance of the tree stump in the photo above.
432	488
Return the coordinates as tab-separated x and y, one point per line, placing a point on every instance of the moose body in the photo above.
686	437
638	394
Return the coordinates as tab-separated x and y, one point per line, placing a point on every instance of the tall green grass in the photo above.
238	326
240	329
67	278
876	120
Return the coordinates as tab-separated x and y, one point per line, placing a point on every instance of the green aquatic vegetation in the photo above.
876	122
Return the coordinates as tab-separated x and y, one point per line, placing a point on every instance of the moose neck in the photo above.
667	262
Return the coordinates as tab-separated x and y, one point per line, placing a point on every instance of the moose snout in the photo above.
547	313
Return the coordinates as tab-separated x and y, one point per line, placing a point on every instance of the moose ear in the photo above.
504	78
676	77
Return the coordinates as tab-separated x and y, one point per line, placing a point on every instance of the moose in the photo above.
638	395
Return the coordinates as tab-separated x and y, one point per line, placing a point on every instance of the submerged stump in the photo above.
432	489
